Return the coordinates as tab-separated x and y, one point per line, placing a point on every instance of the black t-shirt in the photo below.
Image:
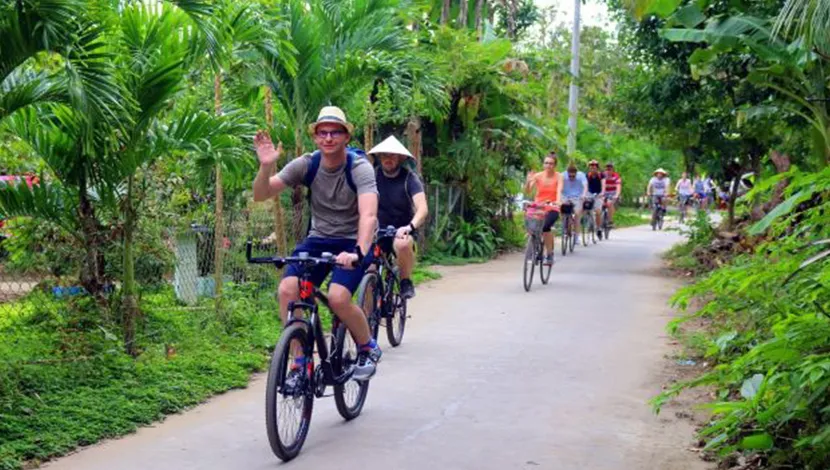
594	183
395	197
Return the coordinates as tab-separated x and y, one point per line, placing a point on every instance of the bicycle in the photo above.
606	219
683	207
535	250
568	223
385	301
589	224
299	387
658	213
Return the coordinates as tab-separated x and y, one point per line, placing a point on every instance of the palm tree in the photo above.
340	49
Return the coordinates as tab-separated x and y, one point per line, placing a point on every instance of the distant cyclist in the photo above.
402	204
613	189
658	187
684	190
596	188
573	190
547	185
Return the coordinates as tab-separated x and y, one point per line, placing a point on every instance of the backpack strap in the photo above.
313	168
349	162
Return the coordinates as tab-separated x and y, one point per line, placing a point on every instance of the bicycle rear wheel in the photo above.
288	409
350	396
530	262
396	323
368	299
584	230
544	269
572	240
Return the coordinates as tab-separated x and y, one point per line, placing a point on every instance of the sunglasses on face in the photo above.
333	134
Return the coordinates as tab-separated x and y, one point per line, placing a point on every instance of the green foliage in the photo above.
472	239
768	338
65	381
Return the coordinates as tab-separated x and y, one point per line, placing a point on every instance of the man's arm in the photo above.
419	200
367	207
619	188
584	186
265	185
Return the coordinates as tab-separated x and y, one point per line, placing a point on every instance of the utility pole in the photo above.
574	91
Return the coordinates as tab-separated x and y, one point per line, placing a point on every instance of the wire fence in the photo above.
190	254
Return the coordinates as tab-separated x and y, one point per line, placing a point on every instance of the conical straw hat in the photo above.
391	145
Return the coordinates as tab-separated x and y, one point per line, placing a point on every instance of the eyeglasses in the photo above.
332	134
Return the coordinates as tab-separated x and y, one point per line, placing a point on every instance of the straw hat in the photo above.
391	145
334	115
660	170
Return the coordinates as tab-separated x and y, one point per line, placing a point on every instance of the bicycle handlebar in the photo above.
388	232
302	258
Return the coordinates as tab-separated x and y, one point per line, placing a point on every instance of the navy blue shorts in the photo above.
315	246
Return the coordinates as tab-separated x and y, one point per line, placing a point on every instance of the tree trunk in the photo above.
129	303
369	127
279	217
491	12
463	14
92	271
510	9
219	224
413	137
297	199
479	13
445	12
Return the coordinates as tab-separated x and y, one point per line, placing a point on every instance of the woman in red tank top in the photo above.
547	184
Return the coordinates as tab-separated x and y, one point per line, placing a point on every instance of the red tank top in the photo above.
547	189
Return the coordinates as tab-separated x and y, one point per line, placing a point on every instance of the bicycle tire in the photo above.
572	241
565	235
584	230
395	333
343	356
373	317
530	262
606	225
276	373
660	219
544	270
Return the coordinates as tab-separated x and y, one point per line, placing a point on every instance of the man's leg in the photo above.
406	262
611	209
343	283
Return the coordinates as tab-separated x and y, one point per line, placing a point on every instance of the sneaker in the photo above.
293	384
549	259
367	363
407	289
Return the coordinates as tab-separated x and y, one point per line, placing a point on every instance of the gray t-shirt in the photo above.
334	211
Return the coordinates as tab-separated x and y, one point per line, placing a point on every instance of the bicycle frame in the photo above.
309	296
386	269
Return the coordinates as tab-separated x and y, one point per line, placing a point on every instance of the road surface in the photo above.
488	377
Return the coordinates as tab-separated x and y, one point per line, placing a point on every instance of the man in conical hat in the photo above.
402	204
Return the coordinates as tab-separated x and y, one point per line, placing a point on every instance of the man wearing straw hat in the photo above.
344	202
402	204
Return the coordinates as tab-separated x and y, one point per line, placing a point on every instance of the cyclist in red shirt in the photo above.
613	187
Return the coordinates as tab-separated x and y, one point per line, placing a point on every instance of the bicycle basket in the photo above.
567	208
534	220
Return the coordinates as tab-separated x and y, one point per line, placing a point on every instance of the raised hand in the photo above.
265	148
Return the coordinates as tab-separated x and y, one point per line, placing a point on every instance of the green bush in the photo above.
769	336
475	239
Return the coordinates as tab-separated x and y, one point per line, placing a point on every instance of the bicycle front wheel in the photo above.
584	230
396	324
350	396
566	233
530	262
289	397
367	299
544	269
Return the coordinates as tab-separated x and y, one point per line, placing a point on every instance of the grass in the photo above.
630	217
65	381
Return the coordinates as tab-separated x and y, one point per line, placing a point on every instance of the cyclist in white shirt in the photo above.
658	187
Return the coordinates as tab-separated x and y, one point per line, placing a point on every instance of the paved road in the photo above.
488	377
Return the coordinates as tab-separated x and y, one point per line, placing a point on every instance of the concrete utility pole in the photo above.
574	95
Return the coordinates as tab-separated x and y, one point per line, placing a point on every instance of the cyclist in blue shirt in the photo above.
573	189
